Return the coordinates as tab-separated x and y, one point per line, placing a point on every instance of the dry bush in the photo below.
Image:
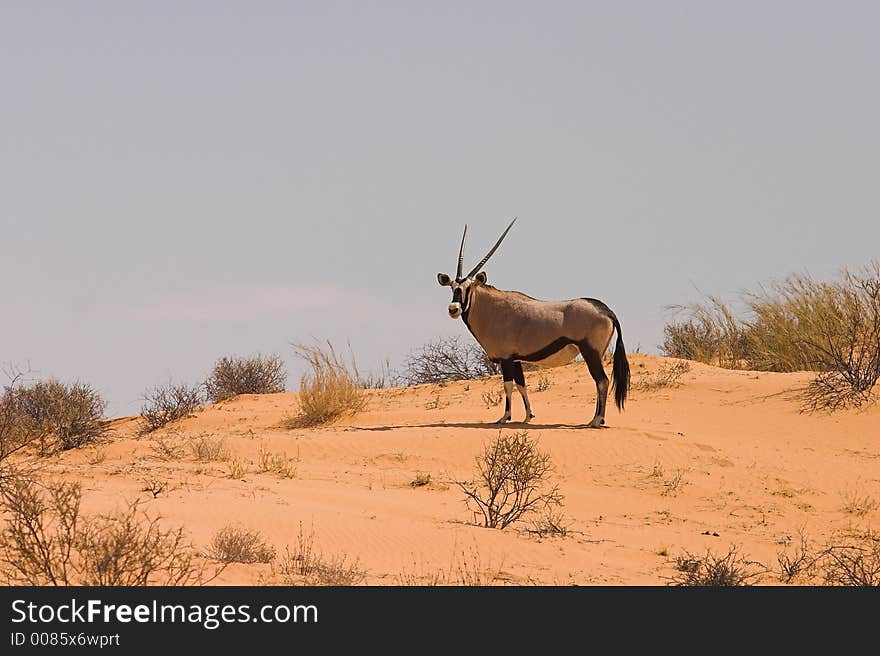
257	374
708	332
167	404
713	570
512	481
543	383
208	449
168	447
798	324
237	468
154	486
420	480
667	376
444	360
858	504
279	463
798	564
57	415
492	397
465	569
304	564
16	433
672	486
46	541
852	559
550	523
331	391
235	544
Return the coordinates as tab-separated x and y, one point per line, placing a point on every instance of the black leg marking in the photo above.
507	368
520	379
594	364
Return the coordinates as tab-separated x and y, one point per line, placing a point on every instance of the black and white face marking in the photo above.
461	297
461	292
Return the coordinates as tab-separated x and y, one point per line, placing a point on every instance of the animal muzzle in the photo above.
455	310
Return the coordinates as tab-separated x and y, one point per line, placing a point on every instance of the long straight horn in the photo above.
492	252
461	254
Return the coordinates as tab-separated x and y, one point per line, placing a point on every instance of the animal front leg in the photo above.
507	374
520	379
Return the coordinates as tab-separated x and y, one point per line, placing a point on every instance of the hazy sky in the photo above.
184	180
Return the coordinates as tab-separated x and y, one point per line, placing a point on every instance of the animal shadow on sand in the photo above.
489	426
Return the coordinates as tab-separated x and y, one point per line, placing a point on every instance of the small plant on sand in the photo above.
713	570
154	486
421	480
237	468
492	397
279	463
331	390
166	404
168	447
667	376
672	486
800	563
511	481
208	449
304	564
858	504
235	544
257	374
543	383
550	523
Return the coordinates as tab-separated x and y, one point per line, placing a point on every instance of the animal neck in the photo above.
483	298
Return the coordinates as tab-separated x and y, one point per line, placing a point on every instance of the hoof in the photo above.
596	423
528	418
503	420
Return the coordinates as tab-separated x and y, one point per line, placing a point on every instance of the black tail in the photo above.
620	370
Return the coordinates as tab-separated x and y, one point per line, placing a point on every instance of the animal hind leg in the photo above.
507	374
594	363
520	379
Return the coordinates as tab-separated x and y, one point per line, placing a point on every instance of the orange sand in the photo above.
753	470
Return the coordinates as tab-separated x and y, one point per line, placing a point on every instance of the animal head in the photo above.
462	286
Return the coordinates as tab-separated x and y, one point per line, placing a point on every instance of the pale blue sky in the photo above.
184	180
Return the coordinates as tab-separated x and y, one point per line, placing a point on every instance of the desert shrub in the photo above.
550	523
257	374
208	449
851	559
511	481
234	544
304	564
420	480
543	383
713	570
492	397
444	360
667	376
278	463
798	324
331	390
166	404
15	432
61	416
707	332
45	540
797	564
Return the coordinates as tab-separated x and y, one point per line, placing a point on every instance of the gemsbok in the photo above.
514	328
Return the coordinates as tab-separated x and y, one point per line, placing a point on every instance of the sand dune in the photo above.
724	459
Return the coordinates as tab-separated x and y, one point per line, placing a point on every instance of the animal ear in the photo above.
481	277
444	280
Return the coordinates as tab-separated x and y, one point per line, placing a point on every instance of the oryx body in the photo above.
514	328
